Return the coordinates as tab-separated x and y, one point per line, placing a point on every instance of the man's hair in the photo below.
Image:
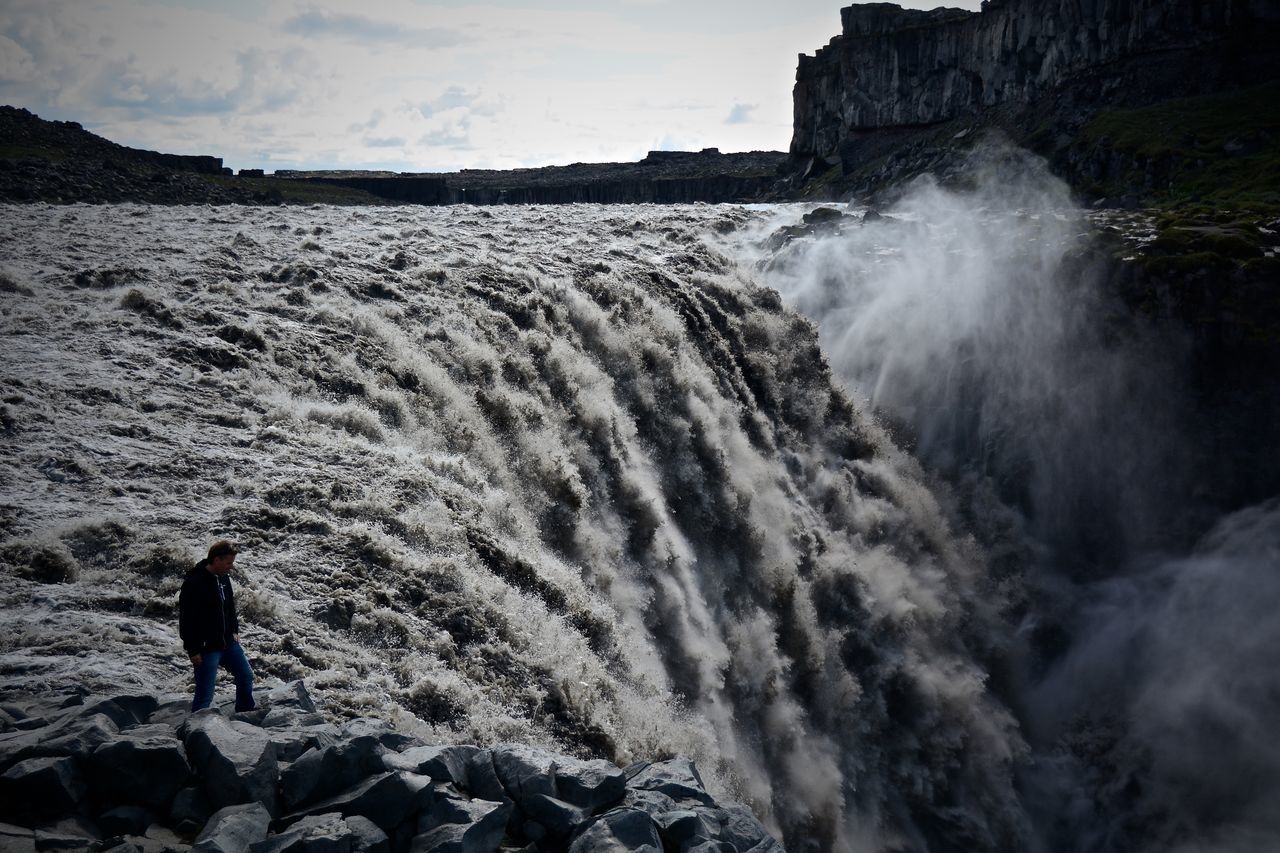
221	548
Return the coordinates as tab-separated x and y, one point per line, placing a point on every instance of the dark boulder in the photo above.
126	709
387	736
41	787
589	785
459	826
442	763
324	772
482	779
291	743
73	736
556	816
525	771
734	823
386	799
681	828
291	695
279	718
125	820
676	777
619	831
234	829
235	760
191	810
326	833
822	216
146	771
650	802
368	838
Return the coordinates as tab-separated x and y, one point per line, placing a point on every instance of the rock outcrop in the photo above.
898	88
893	67
61	162
137	773
662	177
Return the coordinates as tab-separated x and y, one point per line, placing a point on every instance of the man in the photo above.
210	630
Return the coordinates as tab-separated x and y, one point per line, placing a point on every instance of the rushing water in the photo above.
579	476
978	323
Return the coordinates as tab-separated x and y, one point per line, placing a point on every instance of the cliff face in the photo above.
893	67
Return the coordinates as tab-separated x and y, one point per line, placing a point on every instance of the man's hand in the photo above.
195	660
235	637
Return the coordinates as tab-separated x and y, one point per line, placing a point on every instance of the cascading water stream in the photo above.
979	325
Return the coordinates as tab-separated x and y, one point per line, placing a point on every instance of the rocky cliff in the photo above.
892	68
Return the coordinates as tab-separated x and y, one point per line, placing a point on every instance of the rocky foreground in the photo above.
137	772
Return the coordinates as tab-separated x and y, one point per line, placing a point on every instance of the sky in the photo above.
416	85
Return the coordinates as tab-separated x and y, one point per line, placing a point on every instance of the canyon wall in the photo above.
894	67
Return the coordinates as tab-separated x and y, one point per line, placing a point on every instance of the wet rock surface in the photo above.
220	789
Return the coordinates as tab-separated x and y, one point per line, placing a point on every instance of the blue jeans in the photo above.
233	660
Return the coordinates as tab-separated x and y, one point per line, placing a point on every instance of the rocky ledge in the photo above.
137	772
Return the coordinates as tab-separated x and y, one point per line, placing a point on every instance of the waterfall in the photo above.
894	529
563	475
980	323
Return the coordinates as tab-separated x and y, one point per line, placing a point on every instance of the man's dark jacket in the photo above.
206	611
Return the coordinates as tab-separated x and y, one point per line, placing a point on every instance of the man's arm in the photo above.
235	616
187	621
